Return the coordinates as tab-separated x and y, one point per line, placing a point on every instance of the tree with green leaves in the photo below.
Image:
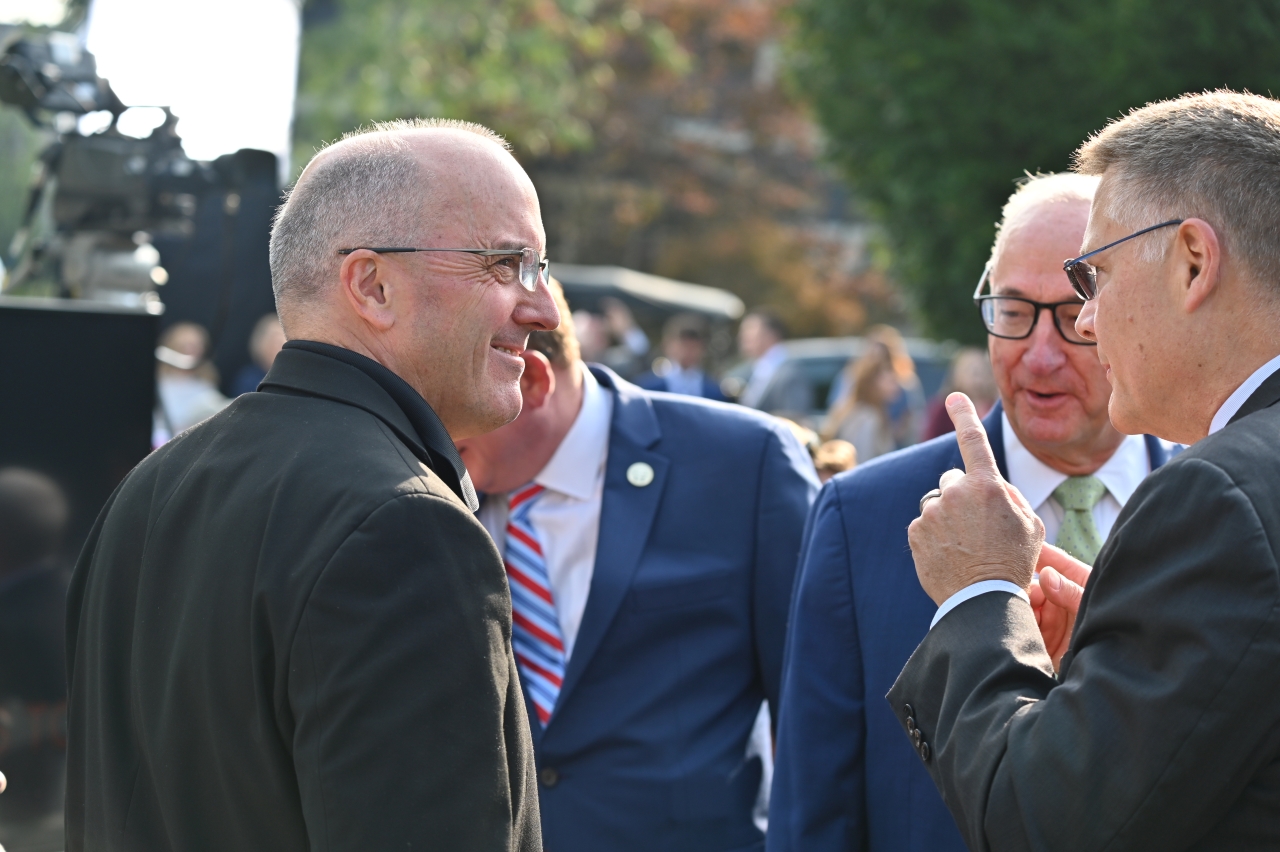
934	108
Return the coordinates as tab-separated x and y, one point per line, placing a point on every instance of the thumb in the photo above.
975	449
1060	591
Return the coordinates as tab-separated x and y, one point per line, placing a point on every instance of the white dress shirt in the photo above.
1121	474
687	382
1237	400
761	374
567	515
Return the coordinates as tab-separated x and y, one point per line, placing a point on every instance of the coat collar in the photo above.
1267	395
331	372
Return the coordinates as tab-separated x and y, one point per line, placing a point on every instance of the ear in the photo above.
363	275
539	381
1199	258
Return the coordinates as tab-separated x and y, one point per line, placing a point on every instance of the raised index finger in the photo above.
974	447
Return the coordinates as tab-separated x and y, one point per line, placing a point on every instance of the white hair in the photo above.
1033	192
369	189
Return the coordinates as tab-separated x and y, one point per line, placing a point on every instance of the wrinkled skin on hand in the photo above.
981	527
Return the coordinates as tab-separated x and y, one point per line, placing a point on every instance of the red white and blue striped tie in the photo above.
535	630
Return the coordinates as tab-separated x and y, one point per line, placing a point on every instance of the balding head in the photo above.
452	322
377	186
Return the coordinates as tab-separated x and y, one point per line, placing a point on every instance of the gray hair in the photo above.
367	193
1213	156
1034	191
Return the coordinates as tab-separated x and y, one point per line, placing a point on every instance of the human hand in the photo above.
1055	598
980	527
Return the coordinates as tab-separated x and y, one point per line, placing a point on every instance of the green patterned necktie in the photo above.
1079	535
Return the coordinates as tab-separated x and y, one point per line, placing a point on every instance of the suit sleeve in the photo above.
409	727
788	485
1166	706
818	798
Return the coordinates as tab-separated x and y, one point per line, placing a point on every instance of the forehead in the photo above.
1034	248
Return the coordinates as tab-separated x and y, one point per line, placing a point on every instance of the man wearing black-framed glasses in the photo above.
857	591
1159	729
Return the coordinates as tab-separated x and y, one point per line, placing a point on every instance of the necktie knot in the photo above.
1080	493
1079	534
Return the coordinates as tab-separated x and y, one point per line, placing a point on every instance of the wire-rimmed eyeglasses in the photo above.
531	265
1014	318
1084	276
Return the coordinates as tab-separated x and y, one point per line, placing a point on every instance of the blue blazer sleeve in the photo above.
818	795
787	488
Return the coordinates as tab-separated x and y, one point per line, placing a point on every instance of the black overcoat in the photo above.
287	631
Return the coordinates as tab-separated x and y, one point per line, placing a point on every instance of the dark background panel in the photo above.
77	388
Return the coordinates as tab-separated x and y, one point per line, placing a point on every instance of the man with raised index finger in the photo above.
845	779
1162	729
287	630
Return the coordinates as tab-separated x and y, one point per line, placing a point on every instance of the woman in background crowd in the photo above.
863	417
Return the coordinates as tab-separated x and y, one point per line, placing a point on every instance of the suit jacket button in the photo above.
924	752
549	777
911	724
909	710
916	739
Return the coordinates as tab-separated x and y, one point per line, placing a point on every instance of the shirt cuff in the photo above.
973	591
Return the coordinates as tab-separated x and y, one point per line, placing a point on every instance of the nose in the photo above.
538	309
1045	347
1085	321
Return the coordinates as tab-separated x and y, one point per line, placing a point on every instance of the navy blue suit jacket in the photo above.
683	632
846	778
652	381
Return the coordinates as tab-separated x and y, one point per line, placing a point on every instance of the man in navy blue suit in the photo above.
846	779
684	348
651	542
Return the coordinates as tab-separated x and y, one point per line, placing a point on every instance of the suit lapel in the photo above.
626	516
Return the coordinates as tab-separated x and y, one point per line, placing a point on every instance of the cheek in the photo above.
1005	355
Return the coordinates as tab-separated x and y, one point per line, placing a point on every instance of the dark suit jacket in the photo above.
653	382
1163	730
682	634
288	632
845	779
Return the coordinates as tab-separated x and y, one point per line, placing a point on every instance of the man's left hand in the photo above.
980	527
1055	598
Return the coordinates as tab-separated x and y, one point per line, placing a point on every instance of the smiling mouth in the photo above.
510	350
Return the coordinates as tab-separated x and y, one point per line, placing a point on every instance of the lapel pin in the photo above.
639	474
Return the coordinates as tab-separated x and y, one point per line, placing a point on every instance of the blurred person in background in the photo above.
834	457
846	778
863	417
287	630
970	374
33	591
906	405
186	381
613	338
265	343
684	348
651	543
775	384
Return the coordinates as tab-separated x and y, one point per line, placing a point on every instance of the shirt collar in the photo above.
1121	474
1242	394
577	467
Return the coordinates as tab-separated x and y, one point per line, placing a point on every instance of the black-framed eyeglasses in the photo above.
1084	276
1014	318
531	266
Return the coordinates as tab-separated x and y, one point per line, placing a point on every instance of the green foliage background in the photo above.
933	108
